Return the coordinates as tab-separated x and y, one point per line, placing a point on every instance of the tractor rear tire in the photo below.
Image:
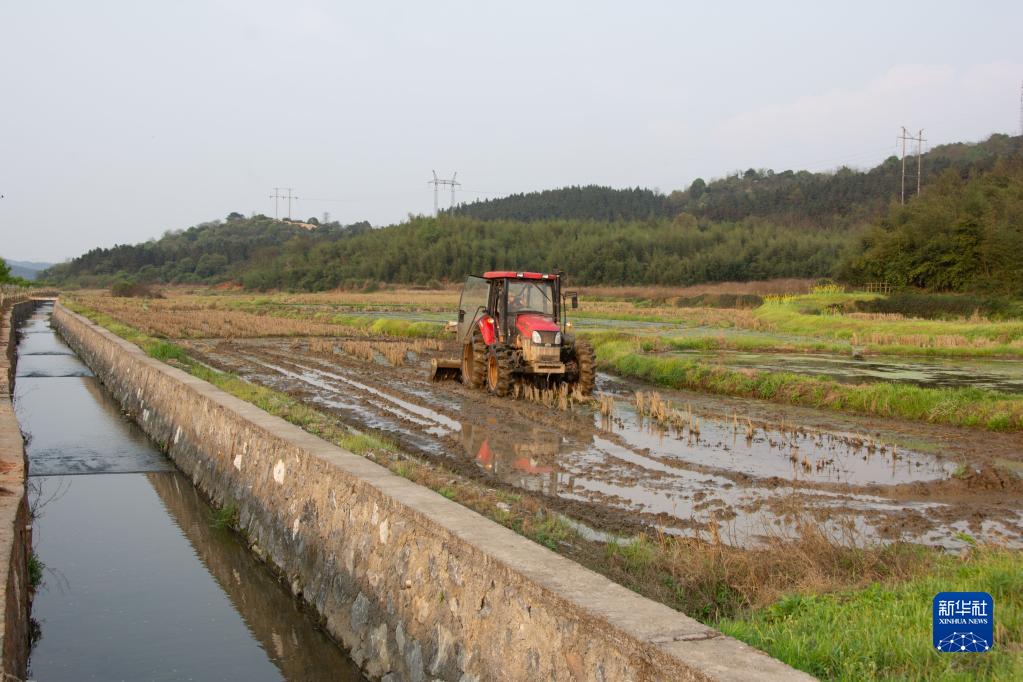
499	371
587	361
474	362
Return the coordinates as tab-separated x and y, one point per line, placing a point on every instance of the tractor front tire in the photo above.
474	362
499	371
587	361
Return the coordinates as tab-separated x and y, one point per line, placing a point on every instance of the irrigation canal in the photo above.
139	583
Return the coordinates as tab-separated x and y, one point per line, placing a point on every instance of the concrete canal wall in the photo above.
15	524
415	585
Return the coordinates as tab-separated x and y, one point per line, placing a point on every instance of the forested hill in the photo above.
842	197
209	252
591	202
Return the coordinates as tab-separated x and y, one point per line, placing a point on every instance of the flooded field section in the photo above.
743	470
999	375
139	582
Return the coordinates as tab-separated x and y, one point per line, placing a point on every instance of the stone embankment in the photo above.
15	521
414	585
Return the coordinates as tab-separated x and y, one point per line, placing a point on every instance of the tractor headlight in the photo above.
557	339
536	338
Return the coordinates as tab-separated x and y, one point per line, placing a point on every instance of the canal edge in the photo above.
15	519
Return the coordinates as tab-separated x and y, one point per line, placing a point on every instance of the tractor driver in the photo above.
517	297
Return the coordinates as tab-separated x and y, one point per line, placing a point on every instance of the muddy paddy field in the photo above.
741	470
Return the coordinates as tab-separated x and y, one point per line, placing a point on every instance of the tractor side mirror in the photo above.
461	316
575	301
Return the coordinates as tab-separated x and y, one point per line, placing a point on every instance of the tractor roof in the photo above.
502	274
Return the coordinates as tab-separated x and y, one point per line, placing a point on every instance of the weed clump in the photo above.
126	289
225	517
35	571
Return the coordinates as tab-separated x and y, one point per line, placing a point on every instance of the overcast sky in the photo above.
120	120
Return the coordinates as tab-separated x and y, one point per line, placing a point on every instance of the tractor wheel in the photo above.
499	371
587	361
474	360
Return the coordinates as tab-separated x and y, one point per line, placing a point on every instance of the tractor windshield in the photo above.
535	296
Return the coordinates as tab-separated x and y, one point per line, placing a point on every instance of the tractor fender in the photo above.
488	330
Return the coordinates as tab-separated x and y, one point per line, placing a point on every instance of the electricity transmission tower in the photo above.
919	139
277	196
437	182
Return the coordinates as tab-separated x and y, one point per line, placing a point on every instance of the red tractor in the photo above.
512	326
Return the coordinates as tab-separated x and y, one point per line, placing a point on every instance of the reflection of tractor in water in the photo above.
527	463
512	326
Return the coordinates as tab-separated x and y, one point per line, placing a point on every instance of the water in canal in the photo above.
139	584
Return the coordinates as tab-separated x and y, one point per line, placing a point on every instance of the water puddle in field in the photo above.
138	583
777	451
999	375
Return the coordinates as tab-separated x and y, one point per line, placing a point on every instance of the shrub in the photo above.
126	289
933	306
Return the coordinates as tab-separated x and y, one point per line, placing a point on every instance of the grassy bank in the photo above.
833	316
884	631
957	406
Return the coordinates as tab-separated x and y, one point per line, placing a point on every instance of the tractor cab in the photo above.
512	304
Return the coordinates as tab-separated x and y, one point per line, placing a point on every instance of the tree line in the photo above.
960	234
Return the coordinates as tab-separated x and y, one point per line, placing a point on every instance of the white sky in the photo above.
119	120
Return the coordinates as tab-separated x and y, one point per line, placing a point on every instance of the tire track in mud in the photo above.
616	480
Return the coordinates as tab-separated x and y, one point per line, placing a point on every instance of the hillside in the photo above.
210	252
670	252
843	197
26	269
962	234
591	202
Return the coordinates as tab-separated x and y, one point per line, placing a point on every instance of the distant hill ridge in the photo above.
824	199
26	269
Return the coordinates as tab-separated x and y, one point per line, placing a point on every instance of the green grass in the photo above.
884	631
225	517
974	407
35	570
819	315
636	556
551	531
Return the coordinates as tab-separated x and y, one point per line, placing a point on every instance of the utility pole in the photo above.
276	196
290	197
1021	109
437	182
919	158
902	196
